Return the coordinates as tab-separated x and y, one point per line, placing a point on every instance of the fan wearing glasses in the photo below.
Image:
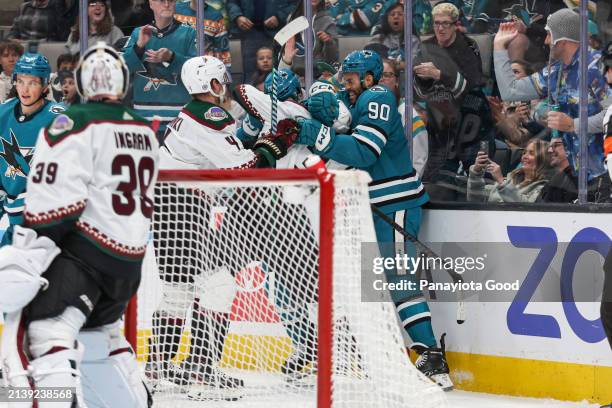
458	47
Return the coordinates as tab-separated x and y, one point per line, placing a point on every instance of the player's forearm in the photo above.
349	151
510	88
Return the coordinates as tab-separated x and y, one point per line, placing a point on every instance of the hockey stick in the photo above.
461	315
292	28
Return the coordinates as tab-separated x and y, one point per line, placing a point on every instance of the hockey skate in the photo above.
432	363
300	367
205	382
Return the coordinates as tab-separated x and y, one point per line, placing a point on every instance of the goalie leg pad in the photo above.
216	291
122	355
55	332
59	368
12	356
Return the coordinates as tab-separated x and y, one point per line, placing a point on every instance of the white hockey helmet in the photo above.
101	72
198	72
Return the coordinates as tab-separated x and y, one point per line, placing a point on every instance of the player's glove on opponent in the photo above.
314	133
278	144
323	104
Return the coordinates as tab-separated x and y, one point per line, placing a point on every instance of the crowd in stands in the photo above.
494	126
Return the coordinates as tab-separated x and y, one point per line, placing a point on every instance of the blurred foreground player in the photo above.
87	217
606	299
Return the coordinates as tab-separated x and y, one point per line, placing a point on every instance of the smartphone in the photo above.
484	147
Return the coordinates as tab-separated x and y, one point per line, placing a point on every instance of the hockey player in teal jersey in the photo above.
376	144
21	119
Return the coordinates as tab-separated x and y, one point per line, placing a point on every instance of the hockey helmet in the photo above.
287	84
33	64
198	72
363	62
101	72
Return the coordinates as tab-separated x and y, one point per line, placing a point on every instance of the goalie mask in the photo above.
101	73
198	72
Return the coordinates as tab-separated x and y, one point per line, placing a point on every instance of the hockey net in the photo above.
251	296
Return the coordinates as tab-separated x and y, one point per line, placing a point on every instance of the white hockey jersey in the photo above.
259	105
203	136
90	187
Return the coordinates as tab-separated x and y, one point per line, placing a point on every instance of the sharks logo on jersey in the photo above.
157	75
17	158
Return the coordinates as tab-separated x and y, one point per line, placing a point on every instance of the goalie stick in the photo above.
461	315
292	28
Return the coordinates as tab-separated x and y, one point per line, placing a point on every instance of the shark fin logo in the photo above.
16	157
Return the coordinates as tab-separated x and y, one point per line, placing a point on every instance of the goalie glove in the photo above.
21	265
278	144
314	133
323	104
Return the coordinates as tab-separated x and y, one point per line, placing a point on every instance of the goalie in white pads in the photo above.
88	196
194	275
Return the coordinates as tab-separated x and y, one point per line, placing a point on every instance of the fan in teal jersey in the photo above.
21	119
376	144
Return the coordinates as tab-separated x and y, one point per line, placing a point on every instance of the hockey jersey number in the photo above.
139	177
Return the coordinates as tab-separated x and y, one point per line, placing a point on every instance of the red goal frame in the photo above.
326	240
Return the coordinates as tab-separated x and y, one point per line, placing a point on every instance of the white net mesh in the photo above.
228	306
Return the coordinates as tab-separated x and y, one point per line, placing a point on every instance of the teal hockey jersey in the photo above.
158	89
377	145
18	135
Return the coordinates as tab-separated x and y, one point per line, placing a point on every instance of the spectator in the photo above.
155	55
358	18
216	33
607	63
10	51
264	63
256	22
65	62
40	20
448	76
513	120
522	185
69	91
390	79
390	33
325	47
563	36
562	185
101	27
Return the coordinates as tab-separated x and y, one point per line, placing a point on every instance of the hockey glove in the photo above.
278	144
314	133
323	103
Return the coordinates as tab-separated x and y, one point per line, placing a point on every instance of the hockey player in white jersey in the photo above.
87	217
204	133
203	136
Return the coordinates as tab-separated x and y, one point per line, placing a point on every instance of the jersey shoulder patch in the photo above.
208	114
57	108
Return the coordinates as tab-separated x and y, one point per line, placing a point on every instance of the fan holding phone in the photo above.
521	185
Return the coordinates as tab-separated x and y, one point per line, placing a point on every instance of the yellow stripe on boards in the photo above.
530	378
244	352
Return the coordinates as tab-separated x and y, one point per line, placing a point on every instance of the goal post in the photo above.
251	296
